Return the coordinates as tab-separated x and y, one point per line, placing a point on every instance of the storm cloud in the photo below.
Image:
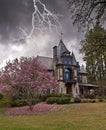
13	14
18	13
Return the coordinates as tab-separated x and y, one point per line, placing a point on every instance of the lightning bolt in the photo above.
42	20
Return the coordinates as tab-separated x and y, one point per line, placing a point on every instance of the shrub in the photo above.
58	100
77	100
92	100
97	100
1	96
54	95
51	100
18	102
63	100
23	102
101	99
4	102
85	100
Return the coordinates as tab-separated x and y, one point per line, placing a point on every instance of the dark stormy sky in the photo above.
16	14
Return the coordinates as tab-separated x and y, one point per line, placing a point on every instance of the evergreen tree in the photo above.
94	49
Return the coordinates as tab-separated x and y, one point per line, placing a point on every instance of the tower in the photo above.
65	69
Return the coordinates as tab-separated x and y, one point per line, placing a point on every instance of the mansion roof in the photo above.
46	61
62	49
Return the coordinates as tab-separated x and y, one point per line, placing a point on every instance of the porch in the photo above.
88	90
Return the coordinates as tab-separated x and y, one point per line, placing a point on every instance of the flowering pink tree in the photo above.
28	78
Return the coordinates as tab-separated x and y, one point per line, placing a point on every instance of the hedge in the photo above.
77	100
58	100
1	96
23	102
18	103
44	98
4	102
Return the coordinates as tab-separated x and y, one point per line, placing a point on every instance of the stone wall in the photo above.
75	90
62	88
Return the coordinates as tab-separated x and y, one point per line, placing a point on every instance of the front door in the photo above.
69	89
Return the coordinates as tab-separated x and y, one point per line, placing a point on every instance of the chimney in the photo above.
55	53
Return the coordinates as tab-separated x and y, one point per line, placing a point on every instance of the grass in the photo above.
91	116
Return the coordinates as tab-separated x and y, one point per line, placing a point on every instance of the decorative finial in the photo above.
61	35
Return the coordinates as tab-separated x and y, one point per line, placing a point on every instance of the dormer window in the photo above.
66	53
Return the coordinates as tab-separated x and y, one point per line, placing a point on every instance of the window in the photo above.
65	61
80	78
78	69
70	61
67	74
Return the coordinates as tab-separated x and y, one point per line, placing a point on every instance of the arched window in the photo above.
67	74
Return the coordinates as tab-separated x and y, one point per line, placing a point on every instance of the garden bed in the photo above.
38	108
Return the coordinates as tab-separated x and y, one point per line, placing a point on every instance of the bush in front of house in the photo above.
4	102
92	100
77	100
51	100
85	100
89	100
44	97
1	95
63	100
102	98
18	103
58	100
23	102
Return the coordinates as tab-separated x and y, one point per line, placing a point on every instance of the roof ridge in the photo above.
45	57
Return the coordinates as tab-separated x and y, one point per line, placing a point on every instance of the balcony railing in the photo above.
70	81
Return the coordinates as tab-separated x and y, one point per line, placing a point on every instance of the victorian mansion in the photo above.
71	77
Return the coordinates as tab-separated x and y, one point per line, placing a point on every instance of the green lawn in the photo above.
91	116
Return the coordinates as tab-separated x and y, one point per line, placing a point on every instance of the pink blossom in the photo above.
27	75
